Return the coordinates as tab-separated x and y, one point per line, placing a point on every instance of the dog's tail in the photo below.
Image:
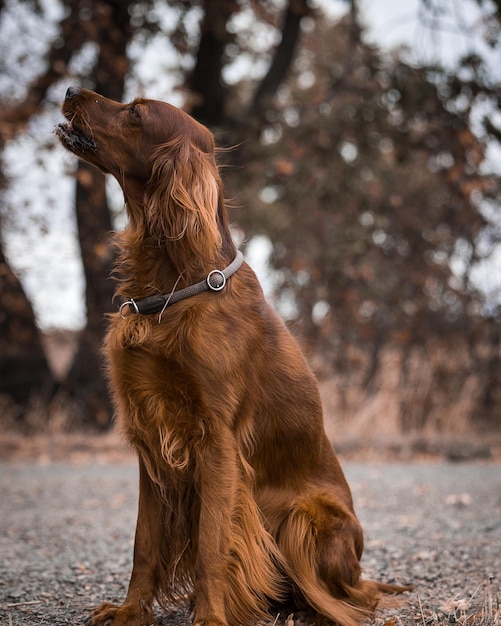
351	604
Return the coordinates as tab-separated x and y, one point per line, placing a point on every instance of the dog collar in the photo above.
215	281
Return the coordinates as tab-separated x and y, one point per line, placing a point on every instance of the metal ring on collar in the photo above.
220	283
128	303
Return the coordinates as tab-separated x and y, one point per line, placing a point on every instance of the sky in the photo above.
446	34
49	263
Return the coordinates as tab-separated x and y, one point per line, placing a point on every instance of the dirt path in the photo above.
66	536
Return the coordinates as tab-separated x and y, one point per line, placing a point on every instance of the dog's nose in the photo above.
72	92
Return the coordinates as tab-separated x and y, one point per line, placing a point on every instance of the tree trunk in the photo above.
24	371
86	381
206	83
489	407
282	59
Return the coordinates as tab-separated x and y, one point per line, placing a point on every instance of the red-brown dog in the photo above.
242	500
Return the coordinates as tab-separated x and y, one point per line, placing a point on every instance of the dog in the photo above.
242	501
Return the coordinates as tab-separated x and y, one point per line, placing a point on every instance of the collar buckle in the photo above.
130	303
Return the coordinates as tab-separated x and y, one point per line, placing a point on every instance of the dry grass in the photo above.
64	447
429	393
405	410
481	609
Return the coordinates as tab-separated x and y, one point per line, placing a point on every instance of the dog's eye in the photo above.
134	111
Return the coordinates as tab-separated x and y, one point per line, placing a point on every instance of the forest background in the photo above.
368	181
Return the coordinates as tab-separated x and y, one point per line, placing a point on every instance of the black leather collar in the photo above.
215	281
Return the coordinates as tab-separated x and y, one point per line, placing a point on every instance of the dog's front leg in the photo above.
137	610
217	477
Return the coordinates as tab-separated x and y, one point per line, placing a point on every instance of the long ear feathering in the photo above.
181	201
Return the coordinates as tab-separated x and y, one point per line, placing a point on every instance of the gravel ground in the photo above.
66	537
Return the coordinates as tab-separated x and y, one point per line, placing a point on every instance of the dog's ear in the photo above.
182	199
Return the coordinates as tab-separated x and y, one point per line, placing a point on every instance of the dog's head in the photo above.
163	159
124	139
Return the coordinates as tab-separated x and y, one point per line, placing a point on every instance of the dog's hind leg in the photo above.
322	542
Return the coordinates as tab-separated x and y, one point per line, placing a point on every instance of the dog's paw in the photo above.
108	614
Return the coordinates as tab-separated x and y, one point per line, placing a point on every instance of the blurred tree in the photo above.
283	56
109	26
367	180
206	84
105	24
24	372
209	92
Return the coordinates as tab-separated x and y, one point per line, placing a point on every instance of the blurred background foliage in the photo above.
360	176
